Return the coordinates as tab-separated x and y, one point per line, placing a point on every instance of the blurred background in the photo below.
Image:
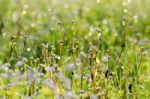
28	26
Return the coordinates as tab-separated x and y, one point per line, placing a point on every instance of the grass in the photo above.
72	49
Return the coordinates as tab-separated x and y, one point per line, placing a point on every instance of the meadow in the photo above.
74	49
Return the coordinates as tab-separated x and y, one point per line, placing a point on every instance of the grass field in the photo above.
74	49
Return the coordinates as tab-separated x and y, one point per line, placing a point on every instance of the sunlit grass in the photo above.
71	49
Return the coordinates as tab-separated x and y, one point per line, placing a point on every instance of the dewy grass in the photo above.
74	49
